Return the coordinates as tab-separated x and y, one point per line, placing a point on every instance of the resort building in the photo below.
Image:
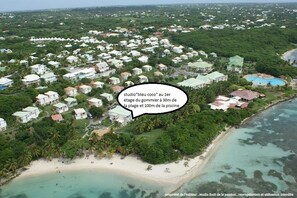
114	80
147	68
162	67
120	115
61	107
71	102
31	79
101	67
235	64
27	114
125	75
107	96
245	95
224	103
97	84
38	69
71	91
137	71
142	79
5	82
217	77
49	97
3	124
192	83
53	96
80	114
49	77
200	66
129	83
95	102
85	89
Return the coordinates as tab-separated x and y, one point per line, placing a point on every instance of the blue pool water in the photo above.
256	80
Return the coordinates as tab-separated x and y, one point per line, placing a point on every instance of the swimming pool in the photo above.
260	81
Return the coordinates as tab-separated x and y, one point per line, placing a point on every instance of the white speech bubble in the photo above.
152	98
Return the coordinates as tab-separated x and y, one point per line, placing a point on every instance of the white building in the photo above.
143	59
95	102
162	67
72	59
147	68
217	76
42	99
80	114
27	114
31	79
119	114
101	67
107	96
71	91
3	124
49	77
178	50
38	69
71	102
137	71
97	84
114	80
142	79
85	89
126	59
125	75
115	62
52	96
54	64
5	82
61	107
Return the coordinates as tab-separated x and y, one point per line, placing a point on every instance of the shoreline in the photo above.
130	166
172	175
285	56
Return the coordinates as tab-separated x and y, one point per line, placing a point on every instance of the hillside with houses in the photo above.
61	73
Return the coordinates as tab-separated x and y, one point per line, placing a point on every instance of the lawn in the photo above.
152	135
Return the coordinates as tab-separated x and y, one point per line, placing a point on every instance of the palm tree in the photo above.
3	173
25	159
11	165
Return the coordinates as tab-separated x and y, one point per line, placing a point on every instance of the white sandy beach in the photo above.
288	54
131	166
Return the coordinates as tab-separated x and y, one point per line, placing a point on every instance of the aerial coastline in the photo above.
171	175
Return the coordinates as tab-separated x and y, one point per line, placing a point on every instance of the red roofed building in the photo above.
57	117
245	95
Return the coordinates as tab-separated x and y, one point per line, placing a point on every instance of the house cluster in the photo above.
27	114
238	99
202	81
38	72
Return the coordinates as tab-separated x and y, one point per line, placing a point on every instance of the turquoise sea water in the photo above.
80	184
259	157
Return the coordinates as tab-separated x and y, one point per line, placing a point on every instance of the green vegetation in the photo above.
154	138
263	46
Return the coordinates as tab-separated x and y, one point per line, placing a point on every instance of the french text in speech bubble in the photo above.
152	98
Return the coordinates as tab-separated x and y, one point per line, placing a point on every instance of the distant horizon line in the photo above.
136	5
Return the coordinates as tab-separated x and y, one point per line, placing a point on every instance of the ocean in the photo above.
257	159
